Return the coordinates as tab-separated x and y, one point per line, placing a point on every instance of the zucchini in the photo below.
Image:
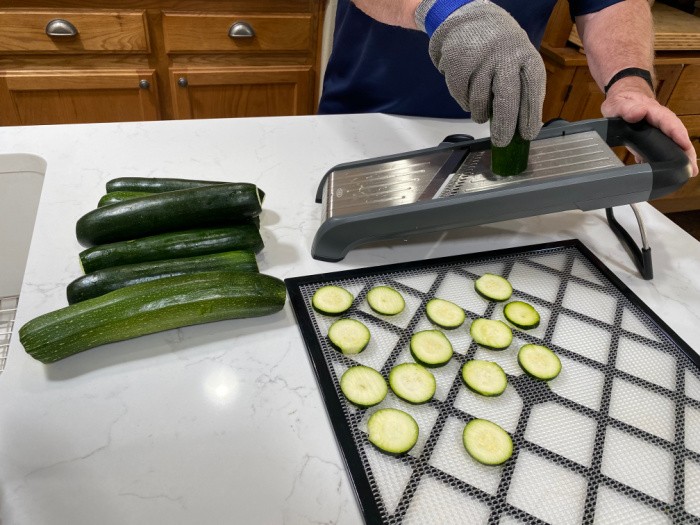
490	333
109	279
522	315
218	205
484	377
445	313
332	300
486	442
161	184
349	336
188	243
511	159
385	300
412	382
493	287
392	430
431	348
146	308
120	196
363	386
539	362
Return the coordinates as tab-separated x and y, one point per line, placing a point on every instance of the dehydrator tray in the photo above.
615	438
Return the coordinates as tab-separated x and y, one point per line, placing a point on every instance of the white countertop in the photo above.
224	423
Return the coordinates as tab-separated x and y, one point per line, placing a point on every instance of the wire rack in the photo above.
614	438
8	309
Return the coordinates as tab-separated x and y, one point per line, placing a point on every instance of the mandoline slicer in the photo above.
571	166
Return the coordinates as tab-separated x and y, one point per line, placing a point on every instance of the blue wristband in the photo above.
439	12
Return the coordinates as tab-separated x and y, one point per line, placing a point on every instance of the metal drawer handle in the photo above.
61	28
241	30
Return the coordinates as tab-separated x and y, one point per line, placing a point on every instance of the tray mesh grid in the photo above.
615	437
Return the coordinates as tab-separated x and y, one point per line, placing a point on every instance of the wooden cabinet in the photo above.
572	94
88	61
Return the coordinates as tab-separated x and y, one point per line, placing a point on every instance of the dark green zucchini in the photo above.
146	308
511	159
160	184
108	279
207	206
175	245
120	196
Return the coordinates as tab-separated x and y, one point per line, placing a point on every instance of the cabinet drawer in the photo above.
685	99
193	32
96	32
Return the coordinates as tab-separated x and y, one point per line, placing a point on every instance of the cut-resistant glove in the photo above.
490	65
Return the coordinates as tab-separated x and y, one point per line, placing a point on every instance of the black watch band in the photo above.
631	72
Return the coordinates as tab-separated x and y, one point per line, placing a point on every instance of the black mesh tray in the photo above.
614	439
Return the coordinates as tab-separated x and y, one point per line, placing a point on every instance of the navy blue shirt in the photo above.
375	67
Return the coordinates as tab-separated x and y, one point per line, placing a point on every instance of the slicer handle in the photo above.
669	164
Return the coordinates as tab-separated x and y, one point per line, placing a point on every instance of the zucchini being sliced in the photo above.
412	382
393	431
332	300
510	159
522	315
349	336
539	362
491	333
493	287
385	300
363	386
486	442
484	377
444	313
431	348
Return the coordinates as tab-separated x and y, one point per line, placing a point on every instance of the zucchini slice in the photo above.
363	386
522	315
332	300
444	313
486	442
493	287
412	382
393	431
539	362
385	300
431	348
491	333
349	336
484	377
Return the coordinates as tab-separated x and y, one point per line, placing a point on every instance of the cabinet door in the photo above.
77	96
242	92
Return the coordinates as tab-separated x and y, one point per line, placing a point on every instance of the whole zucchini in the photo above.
120	196
146	308
160	184
188	243
108	279
218	205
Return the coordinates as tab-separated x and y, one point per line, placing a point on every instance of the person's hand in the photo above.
632	100
490	66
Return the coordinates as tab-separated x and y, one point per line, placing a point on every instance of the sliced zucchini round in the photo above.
431	348
484	377
332	300
363	386
493	287
522	315
412	382
445	313
349	336
486	442
491	333
385	300
392	430
539	362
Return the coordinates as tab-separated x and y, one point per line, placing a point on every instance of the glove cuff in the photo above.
430	14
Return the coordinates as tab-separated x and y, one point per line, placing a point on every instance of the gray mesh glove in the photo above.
481	49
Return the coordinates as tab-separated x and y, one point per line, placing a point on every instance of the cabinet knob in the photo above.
144	84
60	28
182	82
241	30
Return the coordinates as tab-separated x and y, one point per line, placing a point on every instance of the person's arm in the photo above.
618	37
400	13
